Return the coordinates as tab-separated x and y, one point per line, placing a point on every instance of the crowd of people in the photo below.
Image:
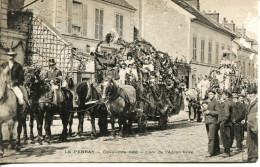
228	116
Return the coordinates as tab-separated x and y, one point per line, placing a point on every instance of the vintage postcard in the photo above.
128	81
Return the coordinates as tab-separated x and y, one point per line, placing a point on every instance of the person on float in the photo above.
130	59
122	74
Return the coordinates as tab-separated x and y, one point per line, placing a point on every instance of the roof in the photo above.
121	3
201	17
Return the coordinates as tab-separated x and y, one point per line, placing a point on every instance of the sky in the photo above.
242	12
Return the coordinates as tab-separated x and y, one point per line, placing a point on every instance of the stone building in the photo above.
84	23
179	28
11	35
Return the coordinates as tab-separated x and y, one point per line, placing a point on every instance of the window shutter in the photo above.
85	14
69	15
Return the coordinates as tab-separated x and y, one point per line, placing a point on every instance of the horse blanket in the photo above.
129	92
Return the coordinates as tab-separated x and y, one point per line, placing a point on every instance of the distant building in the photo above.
246	55
179	28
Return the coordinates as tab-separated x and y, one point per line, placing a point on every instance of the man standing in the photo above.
224	119
252	125
211	118
238	114
17	78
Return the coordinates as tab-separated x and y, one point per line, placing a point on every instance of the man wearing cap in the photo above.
238	114
241	100
17	78
224	119
54	75
252	124
211	119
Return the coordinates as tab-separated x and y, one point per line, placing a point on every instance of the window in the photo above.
253	70
77	17
249	69
228	48
195	48
119	24
202	50
244	68
99	14
223	47
210	52
217	53
88	48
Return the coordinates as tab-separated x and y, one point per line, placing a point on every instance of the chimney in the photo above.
213	16
194	3
231	26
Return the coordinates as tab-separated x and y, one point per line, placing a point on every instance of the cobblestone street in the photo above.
181	142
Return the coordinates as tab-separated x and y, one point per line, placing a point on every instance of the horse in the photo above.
192	103
10	112
89	93
119	101
44	109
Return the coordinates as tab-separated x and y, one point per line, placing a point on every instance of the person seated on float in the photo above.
130	59
122	74
147	68
225	62
54	75
17	78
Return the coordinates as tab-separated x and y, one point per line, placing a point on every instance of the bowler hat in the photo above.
235	95
11	52
228	91
252	89
212	91
51	62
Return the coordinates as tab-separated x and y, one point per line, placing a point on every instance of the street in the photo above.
182	142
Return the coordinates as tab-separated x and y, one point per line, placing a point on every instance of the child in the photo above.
204	107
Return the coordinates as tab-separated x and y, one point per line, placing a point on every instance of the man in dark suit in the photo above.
252	124
238	114
211	118
17	78
224	119
55	77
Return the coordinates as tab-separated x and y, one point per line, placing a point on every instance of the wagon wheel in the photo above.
142	122
163	122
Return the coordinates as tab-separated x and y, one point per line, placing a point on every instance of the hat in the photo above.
212	91
241	95
252	89
228	92
11	52
124	64
51	62
235	96
205	102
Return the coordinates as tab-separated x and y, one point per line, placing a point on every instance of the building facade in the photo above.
10	34
181	29
85	22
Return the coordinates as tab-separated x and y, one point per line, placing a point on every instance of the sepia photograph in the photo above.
128	81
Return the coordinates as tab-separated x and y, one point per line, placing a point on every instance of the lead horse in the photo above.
10	112
120	101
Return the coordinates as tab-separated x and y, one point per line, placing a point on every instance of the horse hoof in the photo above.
11	147
17	147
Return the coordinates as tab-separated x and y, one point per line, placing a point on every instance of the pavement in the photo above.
183	141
